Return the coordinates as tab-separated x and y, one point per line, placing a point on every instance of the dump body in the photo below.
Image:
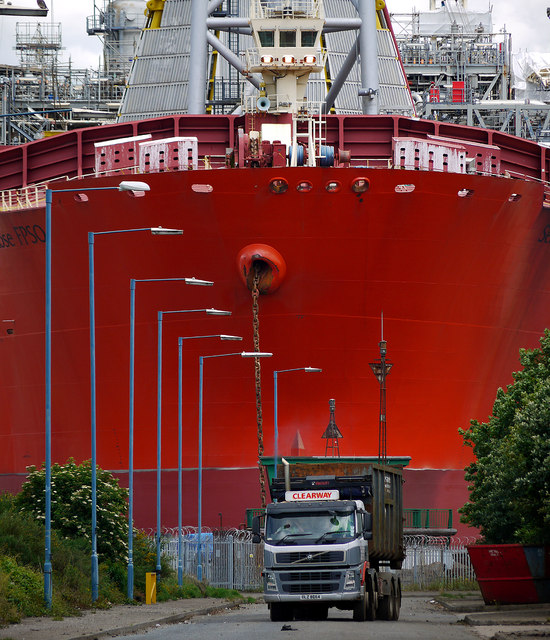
334	541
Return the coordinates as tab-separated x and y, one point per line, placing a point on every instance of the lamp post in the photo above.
243	354
180	438
123	186
275	407
160	314
133	282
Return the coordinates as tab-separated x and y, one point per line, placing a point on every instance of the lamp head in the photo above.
226	337
256	354
130	185
199	283
312	370
161	231
217	312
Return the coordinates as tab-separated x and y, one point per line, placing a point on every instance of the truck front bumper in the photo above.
313	597
335	585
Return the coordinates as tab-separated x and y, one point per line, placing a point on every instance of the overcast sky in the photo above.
525	19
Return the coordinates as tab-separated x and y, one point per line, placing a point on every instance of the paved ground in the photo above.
505	622
524	622
118	620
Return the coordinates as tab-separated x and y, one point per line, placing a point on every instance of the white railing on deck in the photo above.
25	198
285	8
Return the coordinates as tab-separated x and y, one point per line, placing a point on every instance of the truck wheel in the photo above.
371	606
280	612
360	608
397	601
386	606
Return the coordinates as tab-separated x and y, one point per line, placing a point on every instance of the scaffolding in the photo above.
38	44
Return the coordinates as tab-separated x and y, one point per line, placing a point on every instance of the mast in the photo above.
198	58
369	56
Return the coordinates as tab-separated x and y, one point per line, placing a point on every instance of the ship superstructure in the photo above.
167	78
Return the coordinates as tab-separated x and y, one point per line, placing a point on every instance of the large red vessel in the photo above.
443	228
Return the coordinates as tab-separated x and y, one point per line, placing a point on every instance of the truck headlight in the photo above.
349	582
270	583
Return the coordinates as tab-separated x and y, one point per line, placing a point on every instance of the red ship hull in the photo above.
463	283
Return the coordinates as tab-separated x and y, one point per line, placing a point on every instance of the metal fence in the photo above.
230	559
432	562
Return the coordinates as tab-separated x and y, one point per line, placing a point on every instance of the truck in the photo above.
333	541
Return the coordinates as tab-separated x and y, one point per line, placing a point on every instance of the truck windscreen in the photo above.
316	527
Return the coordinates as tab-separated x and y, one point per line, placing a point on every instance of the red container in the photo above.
512	573
459	91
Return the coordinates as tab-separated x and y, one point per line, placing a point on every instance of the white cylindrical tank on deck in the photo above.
124	21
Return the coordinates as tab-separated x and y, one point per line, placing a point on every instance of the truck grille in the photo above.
310	587
309	576
305	557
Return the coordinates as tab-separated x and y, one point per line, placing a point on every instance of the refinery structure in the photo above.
459	66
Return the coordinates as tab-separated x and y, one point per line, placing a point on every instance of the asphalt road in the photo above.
420	619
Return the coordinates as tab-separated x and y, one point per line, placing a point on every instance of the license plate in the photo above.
310	596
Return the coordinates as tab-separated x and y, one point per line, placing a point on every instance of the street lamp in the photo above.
180	438
243	354
123	186
160	314
275	408
91	238
133	281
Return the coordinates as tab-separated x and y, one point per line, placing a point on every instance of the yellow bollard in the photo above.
150	588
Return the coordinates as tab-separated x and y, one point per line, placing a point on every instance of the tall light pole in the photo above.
243	354
160	314
133	282
91	244
123	186
180	438
275	407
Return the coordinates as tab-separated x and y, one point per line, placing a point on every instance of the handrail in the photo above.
428	518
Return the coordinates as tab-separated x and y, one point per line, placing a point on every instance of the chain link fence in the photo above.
230	559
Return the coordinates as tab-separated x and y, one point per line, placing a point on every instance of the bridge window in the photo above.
287	38
308	38
267	38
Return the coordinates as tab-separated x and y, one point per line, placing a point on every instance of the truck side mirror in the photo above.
367	526
256	535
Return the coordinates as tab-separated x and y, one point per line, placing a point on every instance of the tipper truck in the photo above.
333	541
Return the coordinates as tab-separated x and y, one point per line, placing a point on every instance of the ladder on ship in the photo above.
315	137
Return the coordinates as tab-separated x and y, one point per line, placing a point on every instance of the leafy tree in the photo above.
510	476
72	505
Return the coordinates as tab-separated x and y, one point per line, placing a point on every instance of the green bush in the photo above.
21	591
21	535
71	505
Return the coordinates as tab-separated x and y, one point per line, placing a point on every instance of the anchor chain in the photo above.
258	380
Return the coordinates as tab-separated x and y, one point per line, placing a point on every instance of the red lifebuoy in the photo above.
265	260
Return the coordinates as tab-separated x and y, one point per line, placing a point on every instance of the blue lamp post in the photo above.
91	243
243	354
160	314
133	281
123	186
180	439
275	409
